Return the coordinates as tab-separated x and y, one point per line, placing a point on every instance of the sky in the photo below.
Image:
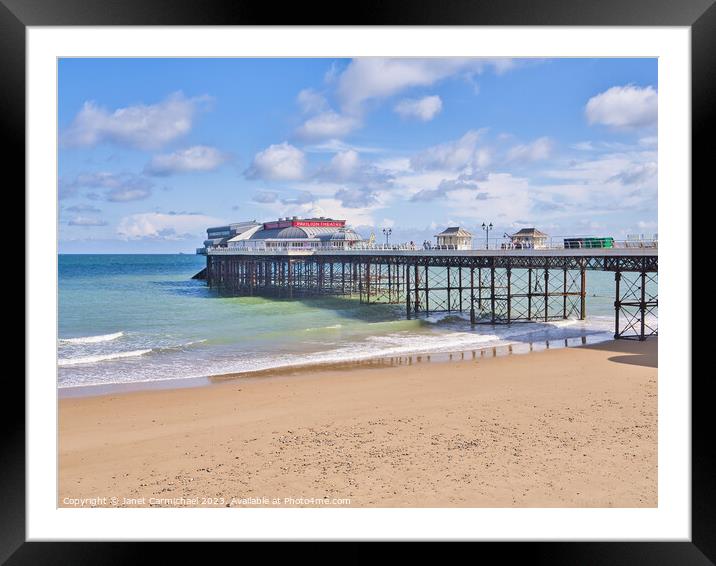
154	151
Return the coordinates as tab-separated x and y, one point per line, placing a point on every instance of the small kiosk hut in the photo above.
529	238
454	238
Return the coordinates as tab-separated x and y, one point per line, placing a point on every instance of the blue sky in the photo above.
152	151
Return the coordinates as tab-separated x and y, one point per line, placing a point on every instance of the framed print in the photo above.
389	279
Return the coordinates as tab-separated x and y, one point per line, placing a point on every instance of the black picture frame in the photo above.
699	15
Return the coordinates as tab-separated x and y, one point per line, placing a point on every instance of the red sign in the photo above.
304	224
319	223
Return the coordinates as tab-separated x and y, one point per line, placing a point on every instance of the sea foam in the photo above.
101	357
92	339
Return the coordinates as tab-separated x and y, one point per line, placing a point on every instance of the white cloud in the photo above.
636	174
345	163
103	179
538	150
127	194
301	197
334	208
499	197
394	164
453	156
611	184
375	77
364	197
141	126
192	159
626	106
164	226
346	167
327	206
118	187
337	146
83	208
602	146
311	101
327	125
265	197
445	187
583	146
503	199
604	169
86	221
278	162
424	109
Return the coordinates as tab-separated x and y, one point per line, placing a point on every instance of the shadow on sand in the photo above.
631	352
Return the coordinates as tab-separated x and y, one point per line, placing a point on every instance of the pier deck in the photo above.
551	252
494	286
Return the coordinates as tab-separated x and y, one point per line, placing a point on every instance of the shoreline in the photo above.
568	427
372	362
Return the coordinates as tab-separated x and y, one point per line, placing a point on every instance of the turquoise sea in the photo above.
139	318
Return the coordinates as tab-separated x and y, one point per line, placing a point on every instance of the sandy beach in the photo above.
574	427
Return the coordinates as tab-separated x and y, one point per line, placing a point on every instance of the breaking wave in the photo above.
101	357
92	339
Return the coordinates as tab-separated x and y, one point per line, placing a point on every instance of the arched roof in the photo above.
305	232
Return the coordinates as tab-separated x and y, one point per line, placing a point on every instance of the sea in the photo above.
132	319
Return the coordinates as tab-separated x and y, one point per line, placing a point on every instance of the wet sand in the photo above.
575	427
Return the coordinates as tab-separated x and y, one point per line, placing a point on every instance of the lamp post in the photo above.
387	232
487	228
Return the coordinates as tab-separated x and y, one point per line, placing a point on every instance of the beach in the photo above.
572	427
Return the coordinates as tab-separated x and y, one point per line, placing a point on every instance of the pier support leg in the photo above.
564	293
583	294
472	296
407	290
360	283
509	295
479	288
447	272
289	270
642	308
529	294
546	293
390	286
636	298
617	304
367	283
416	283
459	287
492	293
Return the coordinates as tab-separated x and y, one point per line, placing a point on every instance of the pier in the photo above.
494	286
